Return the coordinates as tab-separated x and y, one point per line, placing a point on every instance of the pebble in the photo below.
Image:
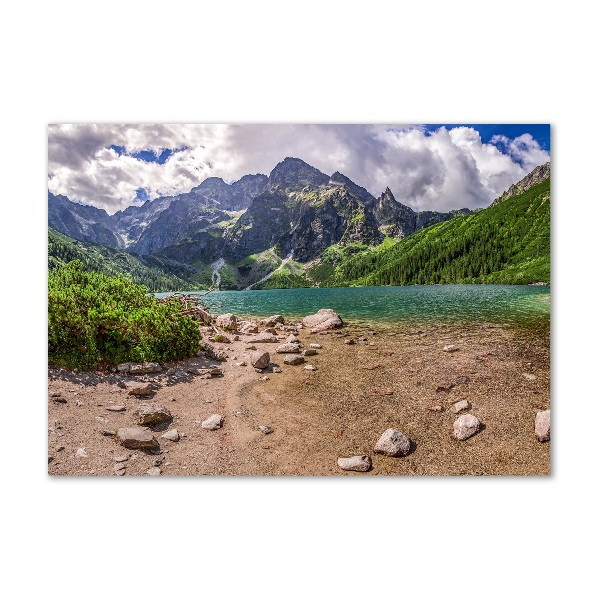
293	359
115	408
542	425
119	469
213	422
393	443
153	471
355	463
265	429
309	352
466	426
263	378
310	368
172	435
316	346
529	376
276	370
81	453
450	348
462	405
120	459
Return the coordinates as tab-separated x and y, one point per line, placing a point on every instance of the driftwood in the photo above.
191	305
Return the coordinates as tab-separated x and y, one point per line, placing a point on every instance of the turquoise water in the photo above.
503	304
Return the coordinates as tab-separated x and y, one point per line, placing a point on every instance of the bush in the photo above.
96	321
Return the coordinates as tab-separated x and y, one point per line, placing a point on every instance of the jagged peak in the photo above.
538	174
340	179
296	172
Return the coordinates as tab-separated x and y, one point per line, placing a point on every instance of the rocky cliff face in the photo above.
538	174
81	222
397	220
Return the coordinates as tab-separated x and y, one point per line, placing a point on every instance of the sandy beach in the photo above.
390	377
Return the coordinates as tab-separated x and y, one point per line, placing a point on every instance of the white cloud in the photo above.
437	170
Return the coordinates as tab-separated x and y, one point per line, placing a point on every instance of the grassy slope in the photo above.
508	242
63	249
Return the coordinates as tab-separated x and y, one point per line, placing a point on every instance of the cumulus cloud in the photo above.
427	170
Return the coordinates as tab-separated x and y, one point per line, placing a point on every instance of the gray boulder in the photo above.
138	388
260	359
264	338
393	443
272	321
355	463
542	425
466	426
288	348
293	359
213	422
152	414
137	438
227	321
326	318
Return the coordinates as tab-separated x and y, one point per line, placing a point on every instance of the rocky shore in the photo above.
316	397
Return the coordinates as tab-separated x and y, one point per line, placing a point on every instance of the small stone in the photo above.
309	352
542	425
119	469
153	471
143	368
292	339
349	342
119	408
393	443
263	378
436	408
466	426
60	448
81	453
265	429
272	321
310	368
152	414
213	422
276	370
529	376
293	359
260	359
137	438
121	459
243	363
383	392
221	339
138	388
450	348
109	432
172	435
355	463
58	399
287	348
459	406
462	379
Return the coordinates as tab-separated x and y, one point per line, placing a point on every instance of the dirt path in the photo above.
388	378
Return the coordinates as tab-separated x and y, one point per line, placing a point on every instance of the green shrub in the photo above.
96	321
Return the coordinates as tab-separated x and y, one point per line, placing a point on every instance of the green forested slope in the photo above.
63	249
508	242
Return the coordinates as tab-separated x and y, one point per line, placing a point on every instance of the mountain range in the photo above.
288	229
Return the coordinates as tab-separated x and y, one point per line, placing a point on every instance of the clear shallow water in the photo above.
504	304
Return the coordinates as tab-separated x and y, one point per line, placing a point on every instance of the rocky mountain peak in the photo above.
295	173
538	174
339	179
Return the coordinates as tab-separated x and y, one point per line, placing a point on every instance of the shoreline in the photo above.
388	379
